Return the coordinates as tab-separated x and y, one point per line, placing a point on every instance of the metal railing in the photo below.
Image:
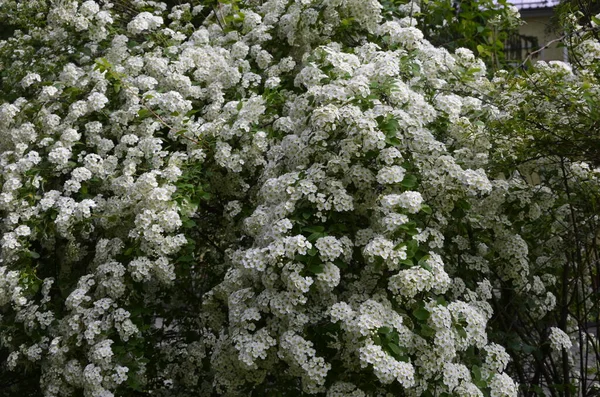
518	46
526	4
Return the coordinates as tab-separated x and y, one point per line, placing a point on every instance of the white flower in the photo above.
30	79
380	247
390	175
330	248
411	200
59	155
23	230
81	174
48	92
341	312
97	101
344	389
502	385
411	281
386	368
12	360
476	180
144	22
496	357
89	8
330	276
559	340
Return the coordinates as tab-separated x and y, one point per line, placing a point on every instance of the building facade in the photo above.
536	32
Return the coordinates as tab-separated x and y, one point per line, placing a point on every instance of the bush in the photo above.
265	198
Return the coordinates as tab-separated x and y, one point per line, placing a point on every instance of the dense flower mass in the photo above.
255	198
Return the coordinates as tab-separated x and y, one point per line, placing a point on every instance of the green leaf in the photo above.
528	349
185	258
426	209
143	113
346	22
426	331
391	127
34	287
34	254
205	196
377	339
472	71
189	224
421	314
384	330
463	204
314	236
316	268
406	262
191	112
338	227
341	264
410	228
423	262
409	181
397	350
411	248
314	229
393	141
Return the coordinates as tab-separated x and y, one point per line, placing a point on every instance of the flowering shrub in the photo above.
482	26
547	136
255	198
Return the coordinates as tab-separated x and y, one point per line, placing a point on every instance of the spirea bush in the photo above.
256	198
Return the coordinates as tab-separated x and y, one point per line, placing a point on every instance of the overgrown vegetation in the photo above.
336	197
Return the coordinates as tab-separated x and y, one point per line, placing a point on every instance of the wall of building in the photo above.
537	24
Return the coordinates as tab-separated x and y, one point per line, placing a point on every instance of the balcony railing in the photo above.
517	46
527	4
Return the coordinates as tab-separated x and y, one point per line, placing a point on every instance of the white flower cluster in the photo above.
385	367
144	22
411	201
502	385
559	340
249	214
302	358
